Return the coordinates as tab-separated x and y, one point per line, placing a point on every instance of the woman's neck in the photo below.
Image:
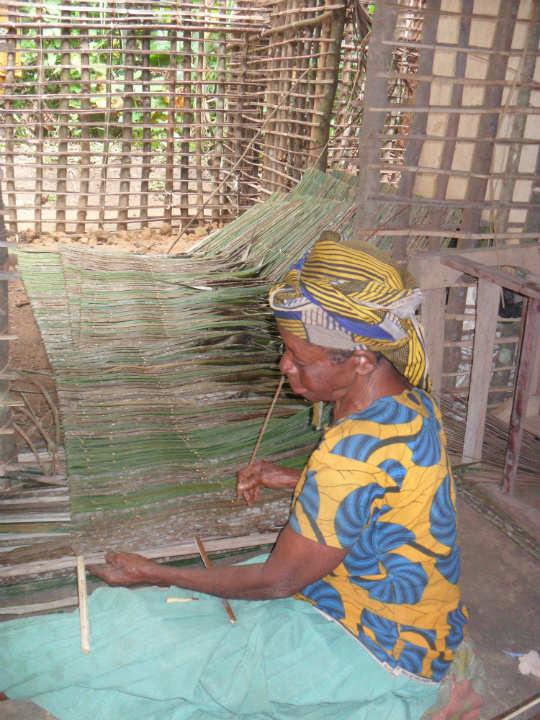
385	381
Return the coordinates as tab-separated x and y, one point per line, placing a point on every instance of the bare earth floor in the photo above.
501	586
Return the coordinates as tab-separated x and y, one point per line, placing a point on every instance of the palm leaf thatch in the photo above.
165	367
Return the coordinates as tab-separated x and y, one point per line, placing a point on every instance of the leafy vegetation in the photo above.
144	84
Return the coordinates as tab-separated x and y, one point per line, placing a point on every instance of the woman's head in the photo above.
345	296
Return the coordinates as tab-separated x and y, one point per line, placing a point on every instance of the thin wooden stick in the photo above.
208	565
83	605
39	607
265	423
266	419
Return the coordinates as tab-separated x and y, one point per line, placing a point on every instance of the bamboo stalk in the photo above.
84	184
63	130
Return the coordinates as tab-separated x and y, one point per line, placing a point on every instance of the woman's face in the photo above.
311	372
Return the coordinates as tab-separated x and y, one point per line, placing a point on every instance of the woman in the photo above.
370	542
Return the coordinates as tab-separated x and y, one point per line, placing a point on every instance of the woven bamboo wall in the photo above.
469	171
118	113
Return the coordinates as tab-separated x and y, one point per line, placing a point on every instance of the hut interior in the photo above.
253	126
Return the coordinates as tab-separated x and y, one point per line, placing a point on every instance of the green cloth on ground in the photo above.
155	660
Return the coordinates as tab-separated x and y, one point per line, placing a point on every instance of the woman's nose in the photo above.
285	364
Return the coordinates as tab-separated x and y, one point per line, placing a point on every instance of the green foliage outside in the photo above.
106	49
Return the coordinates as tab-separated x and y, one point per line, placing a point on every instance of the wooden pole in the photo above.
147	132
128	48
84	186
217	157
39	196
8	449
187	121
418	126
524	381
171	123
63	130
83	605
376	93
200	91
9	91
332	28
208	564
106	129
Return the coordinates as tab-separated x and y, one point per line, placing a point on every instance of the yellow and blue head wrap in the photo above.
346	295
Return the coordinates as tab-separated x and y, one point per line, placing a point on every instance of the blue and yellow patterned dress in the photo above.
380	484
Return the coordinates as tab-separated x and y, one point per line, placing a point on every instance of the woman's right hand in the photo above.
264	474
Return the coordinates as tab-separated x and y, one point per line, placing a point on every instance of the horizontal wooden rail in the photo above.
491	274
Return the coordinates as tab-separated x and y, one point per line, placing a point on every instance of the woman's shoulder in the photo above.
394	410
390	422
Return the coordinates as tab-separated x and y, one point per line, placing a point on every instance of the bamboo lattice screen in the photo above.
469	171
118	113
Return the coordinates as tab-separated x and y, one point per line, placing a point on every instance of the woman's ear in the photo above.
366	362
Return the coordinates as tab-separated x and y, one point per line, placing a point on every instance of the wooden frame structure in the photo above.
469	170
118	114
436	272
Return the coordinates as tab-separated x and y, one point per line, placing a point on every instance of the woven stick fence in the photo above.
117	114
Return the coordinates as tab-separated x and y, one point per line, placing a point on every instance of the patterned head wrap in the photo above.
346	295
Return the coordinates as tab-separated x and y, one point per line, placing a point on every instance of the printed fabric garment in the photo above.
380	484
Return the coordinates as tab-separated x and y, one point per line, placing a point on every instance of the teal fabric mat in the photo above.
177	661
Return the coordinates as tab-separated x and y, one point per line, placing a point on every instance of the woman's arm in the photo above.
294	563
